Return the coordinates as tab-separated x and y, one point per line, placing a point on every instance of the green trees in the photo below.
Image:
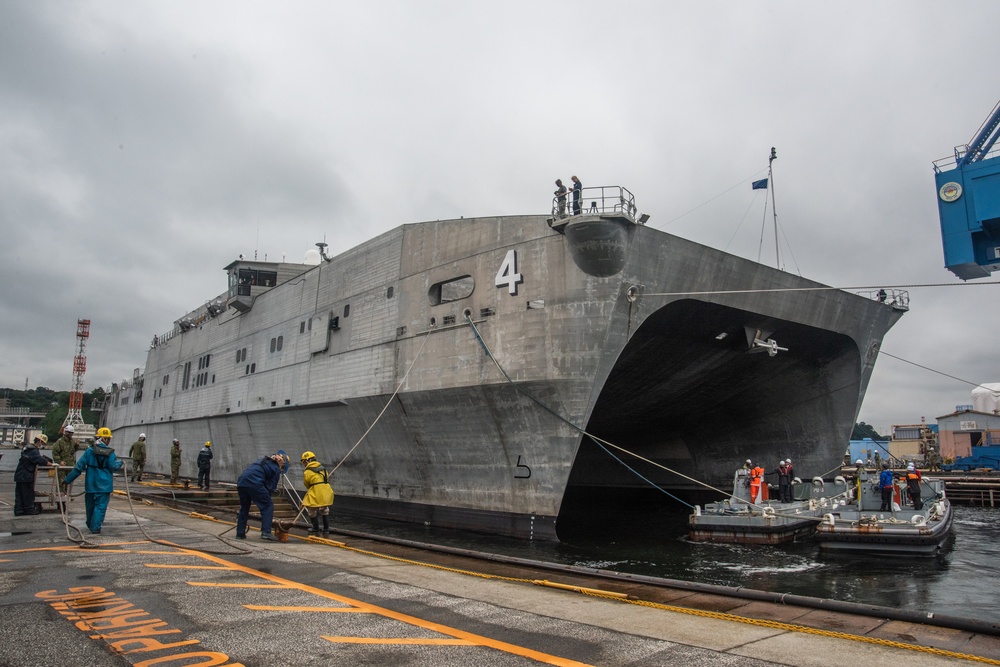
863	430
55	405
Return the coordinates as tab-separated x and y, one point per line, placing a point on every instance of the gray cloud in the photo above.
144	145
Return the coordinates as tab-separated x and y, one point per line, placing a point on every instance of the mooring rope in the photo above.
387	403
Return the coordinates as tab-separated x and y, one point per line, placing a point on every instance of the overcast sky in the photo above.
144	145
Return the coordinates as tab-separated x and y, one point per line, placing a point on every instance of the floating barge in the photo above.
862	526
736	520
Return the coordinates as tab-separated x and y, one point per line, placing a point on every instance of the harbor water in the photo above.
958	581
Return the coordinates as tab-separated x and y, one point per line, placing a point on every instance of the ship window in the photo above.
288	401
281	340
302	327
388	292
267	278
451	290
253	368
347	310
166	380
248	277
186	382
274	343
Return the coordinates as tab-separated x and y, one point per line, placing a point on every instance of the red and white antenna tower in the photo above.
75	414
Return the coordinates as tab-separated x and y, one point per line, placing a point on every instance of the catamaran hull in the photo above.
450	369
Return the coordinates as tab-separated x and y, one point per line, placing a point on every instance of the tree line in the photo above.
55	405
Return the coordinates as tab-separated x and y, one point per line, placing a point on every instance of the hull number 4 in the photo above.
508	276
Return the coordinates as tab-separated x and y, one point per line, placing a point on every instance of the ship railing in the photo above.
950	162
599	200
897	298
163	338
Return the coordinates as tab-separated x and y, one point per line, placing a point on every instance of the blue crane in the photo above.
968	186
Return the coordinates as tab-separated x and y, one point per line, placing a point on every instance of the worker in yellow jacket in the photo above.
319	493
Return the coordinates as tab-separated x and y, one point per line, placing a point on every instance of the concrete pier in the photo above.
167	591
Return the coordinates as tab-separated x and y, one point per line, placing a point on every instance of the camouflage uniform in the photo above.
175	461
138	455
64	454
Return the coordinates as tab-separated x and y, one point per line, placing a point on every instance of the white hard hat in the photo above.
911	467
69	428
177	441
748	461
788	460
782	462
859	462
142	436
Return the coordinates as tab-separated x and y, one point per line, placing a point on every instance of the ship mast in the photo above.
774	210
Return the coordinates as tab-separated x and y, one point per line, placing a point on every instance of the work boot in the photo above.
269	537
326	526
315	529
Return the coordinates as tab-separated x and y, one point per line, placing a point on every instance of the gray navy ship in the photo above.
459	366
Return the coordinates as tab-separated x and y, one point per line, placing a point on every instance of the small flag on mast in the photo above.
759	185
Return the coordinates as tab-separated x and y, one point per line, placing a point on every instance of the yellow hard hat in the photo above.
208	444
306	456
104	432
44	438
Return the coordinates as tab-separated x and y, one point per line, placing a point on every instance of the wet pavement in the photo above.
159	587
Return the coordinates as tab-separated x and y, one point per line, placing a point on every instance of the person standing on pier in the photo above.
24	476
137	452
64	454
205	466
175	460
99	463
319	493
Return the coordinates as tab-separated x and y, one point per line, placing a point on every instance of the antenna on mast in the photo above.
75	415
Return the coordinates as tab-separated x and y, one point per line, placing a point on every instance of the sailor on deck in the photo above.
756	478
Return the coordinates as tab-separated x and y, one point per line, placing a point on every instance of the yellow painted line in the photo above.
144	552
473	639
186	567
399	640
221	585
264	607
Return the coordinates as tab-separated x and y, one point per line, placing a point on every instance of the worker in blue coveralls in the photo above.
256	485
99	463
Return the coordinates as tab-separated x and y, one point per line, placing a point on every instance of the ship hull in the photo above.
449	370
